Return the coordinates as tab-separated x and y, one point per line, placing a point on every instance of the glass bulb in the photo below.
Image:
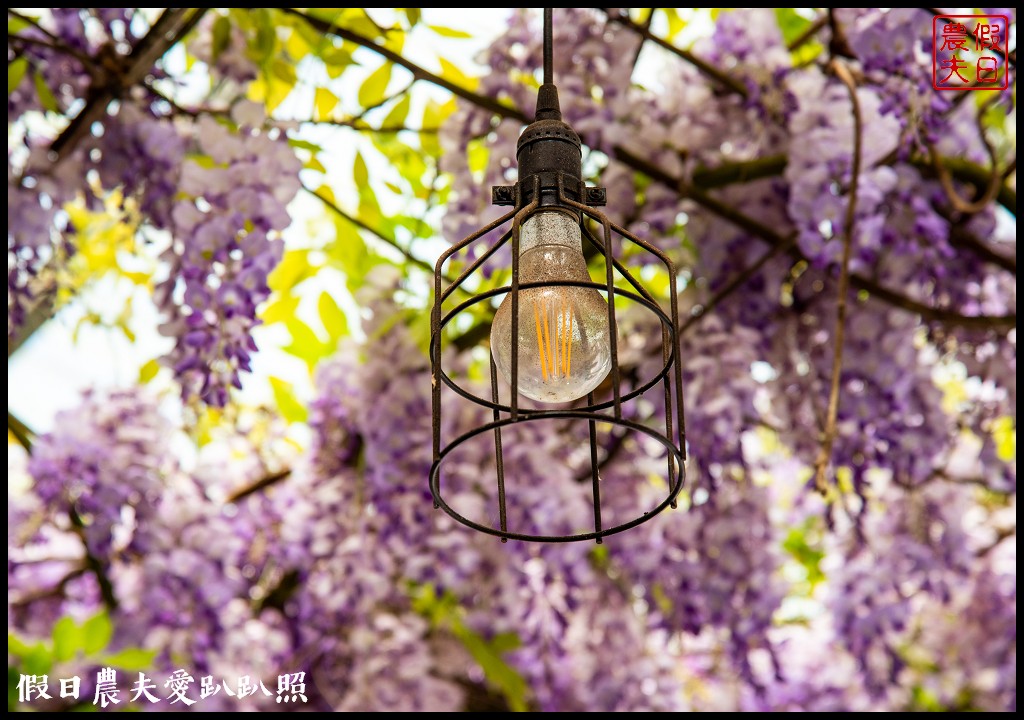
563	331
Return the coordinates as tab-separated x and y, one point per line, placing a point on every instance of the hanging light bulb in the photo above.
563	331
554	336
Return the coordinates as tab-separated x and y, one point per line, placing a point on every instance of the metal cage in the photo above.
526	203
550	177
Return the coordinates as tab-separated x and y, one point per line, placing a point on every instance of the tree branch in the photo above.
93	563
839	335
987	192
813	29
418	73
261	484
367	128
656	173
736	282
55	591
20	431
724	79
640	46
336	209
44	308
58	43
959	237
56	46
169	28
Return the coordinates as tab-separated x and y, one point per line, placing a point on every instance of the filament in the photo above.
568	355
540	344
566	319
547	338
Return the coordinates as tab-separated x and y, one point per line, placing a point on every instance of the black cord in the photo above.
548	72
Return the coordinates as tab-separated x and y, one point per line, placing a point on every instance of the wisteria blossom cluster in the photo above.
219	187
892	586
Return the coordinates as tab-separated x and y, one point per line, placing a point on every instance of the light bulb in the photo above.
563	331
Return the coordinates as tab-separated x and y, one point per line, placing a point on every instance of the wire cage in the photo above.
538	192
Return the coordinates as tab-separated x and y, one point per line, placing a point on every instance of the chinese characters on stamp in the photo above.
969	52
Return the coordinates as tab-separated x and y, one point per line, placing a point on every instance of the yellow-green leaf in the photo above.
68	639
450	32
314	164
148	371
97	632
372	91
293	269
305	344
221	36
675	23
360	174
324	102
16	73
334	320
337	59
450	71
398	113
291	409
325	192
130	659
281	309
478	156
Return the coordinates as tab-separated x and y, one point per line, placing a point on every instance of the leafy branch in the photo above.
92	563
686	189
839	335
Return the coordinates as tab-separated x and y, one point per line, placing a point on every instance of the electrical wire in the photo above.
548	72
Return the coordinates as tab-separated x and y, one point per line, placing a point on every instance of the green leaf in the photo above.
266	34
148	371
791	23
334	320
802	543
16	646
330	15
293	269
274	86
16	73
281	309
372	91
15	24
337	59
412	14
68	639
36	660
675	23
445	612
291	409
97	632
314	164
305	344
304	145
450	32
221	36
323	103
451	72
130	659
360	174
477	156
505	642
399	112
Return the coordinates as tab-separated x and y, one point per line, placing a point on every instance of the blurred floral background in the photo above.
222	225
